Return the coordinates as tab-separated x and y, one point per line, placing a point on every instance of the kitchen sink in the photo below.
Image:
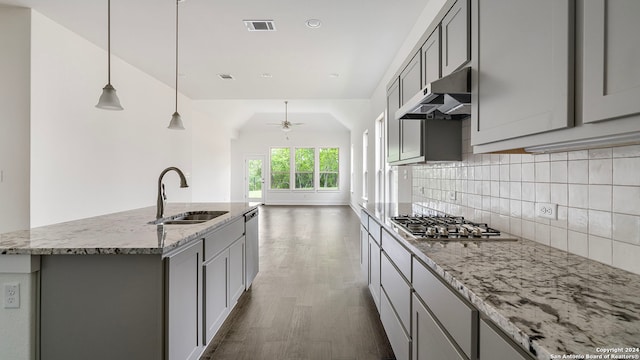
189	218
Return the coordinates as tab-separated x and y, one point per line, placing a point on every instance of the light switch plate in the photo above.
547	211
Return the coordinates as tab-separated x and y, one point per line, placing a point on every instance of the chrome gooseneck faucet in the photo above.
161	195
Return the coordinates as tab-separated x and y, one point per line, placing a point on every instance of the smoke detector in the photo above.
260	25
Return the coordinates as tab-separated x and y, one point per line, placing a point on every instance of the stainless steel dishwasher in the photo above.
252	256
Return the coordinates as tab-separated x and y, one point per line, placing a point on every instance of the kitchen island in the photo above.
550	302
119	286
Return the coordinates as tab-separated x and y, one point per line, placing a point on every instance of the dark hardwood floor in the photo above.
310	299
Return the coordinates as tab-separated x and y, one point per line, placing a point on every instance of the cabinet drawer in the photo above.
493	345
364	219
374	272
398	291
456	316
400	256
375	230
400	341
222	238
429	342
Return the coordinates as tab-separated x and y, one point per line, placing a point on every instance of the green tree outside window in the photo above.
305	164
280	168
329	168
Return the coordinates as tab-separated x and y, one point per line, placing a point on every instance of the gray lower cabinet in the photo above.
252	247
224	274
374	270
455	315
397	289
523	68
364	252
216	271
399	339
429	342
184	298
494	345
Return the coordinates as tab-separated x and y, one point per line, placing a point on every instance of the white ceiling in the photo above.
358	40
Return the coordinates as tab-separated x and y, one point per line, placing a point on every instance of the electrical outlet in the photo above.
12	296
547	211
452	195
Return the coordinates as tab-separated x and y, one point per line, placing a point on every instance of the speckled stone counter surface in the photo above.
127	232
552	302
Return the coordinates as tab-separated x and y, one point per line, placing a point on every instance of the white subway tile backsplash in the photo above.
559	171
626	228
578	155
578	195
600	171
559	194
626	200
542	171
626	151
626	171
625	256
528	172
558	238
603	153
578	219
543	192
600	223
529	191
600	197
543	233
577	243
600	249
578	172
597	192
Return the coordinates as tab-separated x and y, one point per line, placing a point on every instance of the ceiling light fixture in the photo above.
313	23
334	75
266	75
286	125
176	119
108	99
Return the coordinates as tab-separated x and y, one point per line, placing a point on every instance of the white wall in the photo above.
14	122
378	103
211	177
259	143
86	161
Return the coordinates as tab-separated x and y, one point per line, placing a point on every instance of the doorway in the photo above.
254	178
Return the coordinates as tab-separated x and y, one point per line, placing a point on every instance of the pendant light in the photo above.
109	100
176	120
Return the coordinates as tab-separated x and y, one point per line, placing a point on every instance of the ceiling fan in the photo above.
285	125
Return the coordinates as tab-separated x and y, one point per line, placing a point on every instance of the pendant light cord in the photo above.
109	41
177	3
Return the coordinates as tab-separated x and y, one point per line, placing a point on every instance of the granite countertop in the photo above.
127	232
552	302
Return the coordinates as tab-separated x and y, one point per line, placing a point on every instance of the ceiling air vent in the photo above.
260	25
226	76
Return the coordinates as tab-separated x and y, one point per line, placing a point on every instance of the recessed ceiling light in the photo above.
313	23
226	76
266	75
334	75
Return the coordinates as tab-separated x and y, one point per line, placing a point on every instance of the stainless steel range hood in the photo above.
445	98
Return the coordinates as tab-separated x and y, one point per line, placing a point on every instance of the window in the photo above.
365	169
305	168
305	165
280	168
329	168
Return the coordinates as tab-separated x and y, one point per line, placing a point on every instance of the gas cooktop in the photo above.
447	228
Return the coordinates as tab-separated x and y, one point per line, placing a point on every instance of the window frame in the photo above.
295	171
320	172
271	169
316	170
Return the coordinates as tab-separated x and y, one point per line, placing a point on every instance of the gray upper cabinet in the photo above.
411	130
523	68
611	80
456	47
431	69
393	124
